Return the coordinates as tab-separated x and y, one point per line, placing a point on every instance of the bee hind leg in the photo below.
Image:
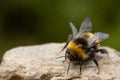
96	63
80	68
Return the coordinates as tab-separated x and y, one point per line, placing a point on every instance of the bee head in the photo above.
73	46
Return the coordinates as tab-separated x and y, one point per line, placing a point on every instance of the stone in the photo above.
41	62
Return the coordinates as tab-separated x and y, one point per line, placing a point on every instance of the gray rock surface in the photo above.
39	63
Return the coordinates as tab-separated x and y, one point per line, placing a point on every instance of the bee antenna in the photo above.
63	48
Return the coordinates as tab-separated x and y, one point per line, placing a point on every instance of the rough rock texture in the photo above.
39	63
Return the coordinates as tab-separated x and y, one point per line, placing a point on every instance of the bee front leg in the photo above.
66	55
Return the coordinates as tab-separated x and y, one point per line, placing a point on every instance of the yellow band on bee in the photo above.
77	50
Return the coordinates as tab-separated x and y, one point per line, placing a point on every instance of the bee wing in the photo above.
71	36
86	26
74	29
101	36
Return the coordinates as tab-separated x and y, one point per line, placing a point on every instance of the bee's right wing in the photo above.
101	36
74	30
71	36
97	38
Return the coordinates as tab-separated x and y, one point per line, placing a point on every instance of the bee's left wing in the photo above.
86	26
101	36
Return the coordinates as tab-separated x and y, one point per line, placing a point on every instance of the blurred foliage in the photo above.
31	22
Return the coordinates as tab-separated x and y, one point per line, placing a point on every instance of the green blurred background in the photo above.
33	22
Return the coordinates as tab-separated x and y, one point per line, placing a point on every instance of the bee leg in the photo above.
80	68
96	63
66	53
68	67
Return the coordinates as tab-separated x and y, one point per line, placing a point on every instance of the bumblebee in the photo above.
82	46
